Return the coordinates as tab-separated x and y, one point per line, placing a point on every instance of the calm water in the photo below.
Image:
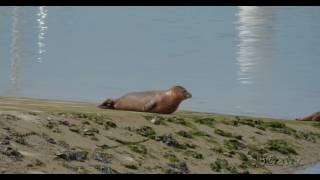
243	60
314	169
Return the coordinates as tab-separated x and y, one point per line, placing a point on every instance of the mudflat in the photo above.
54	136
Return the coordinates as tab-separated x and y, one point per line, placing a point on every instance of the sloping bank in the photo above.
48	136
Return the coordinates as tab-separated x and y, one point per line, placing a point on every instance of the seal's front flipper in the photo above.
108	104
149	105
316	117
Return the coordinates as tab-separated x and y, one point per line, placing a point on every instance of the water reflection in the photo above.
42	14
255	41
15	47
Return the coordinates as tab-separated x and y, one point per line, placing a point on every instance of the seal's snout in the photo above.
108	104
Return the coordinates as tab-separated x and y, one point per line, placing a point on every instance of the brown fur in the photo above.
312	117
163	102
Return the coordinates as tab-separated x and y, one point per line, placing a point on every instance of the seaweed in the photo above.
222	164
208	121
200	133
185	134
146	131
281	146
138	148
171	157
227	134
234	144
194	154
170	141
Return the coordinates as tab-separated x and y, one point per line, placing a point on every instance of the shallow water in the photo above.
260	61
314	169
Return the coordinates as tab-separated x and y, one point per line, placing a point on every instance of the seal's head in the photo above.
108	104
181	92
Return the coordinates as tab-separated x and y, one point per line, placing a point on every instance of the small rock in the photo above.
156	120
21	140
51	141
101	156
178	168
110	124
9	117
8	151
5	142
130	163
85	122
48	139
33	113
38	162
90	132
74	129
66	123
128	128
73	155
170	141
131	166
50	125
106	169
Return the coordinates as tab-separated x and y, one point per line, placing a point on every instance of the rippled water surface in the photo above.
244	60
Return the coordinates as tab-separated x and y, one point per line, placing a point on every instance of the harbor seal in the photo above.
313	117
159	101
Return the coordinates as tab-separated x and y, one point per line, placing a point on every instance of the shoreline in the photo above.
182	110
135	142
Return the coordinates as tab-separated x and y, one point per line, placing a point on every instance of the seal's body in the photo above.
163	102
312	117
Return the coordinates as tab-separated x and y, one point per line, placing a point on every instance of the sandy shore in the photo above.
52	136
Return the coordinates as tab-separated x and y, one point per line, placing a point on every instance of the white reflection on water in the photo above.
42	14
255	32
15	47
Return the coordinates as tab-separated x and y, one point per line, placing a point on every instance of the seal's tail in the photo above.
108	104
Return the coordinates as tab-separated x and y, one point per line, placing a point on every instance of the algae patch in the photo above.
281	146
227	134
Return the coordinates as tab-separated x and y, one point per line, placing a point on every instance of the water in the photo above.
260	61
314	169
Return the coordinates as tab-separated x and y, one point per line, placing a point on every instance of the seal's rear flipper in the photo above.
108	104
